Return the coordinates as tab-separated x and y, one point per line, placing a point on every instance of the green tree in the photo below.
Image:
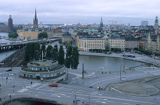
49	52
55	53
61	56
36	51
13	35
42	35
32	52
68	57
75	58
72	57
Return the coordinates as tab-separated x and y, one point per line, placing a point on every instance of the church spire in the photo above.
35	14
156	25
101	26
101	23
35	20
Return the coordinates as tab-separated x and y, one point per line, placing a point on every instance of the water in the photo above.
3	35
96	63
4	55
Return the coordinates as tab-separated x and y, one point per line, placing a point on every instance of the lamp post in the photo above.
83	71
120	73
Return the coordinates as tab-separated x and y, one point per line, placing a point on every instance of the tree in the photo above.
32	52
42	35
68	57
61	56
36	50
72	57
55	53
75	58
49	52
13	35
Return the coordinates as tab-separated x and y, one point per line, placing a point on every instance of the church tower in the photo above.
156	25
101	26
158	42
149	42
35	20
10	24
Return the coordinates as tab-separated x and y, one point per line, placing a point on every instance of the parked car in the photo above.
8	70
53	85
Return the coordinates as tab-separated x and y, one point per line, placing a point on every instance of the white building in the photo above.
87	44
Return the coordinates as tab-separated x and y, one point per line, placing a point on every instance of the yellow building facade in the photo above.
28	35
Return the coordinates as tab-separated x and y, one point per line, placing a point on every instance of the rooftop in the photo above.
41	63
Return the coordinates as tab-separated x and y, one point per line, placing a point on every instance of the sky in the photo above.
80	11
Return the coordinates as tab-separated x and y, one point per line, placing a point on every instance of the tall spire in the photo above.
35	14
101	26
101	23
35	20
156	25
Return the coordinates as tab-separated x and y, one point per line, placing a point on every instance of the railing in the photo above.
23	43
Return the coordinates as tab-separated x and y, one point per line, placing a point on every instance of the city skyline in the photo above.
71	11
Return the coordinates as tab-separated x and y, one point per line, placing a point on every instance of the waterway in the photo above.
98	63
3	35
4	55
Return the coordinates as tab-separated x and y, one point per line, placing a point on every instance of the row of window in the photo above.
44	75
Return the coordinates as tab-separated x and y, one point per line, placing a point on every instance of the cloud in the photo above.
50	9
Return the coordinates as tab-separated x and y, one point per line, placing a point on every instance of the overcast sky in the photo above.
80	11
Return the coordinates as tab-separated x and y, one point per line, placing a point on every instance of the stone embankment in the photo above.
138	57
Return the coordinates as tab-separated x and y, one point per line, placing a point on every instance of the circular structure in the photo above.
44	69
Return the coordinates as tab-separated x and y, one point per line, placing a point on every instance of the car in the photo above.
53	85
9	70
90	86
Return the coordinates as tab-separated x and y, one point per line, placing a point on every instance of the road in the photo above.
65	93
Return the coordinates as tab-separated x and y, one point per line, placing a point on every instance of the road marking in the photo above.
22	90
116	90
101	97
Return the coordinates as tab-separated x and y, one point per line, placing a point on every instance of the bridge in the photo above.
20	44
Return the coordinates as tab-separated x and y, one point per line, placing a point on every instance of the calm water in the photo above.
3	35
94	63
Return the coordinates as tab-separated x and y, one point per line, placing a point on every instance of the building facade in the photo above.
42	70
10	24
117	43
87	44
27	35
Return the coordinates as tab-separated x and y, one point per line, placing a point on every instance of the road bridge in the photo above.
18	45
